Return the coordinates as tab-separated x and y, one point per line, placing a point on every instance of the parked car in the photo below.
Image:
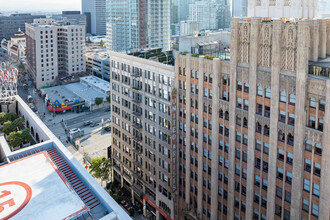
74	130
108	128
86	123
108	109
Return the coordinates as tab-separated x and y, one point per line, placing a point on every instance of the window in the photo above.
282	116
311	122
307	185
291	119
255	214
260	91
288	196
315	210
239	103
316	189
278	210
264	202
317	169
246	87
265	166
258	163
289	158
205	77
280	154
308	165
280	173
305	205
258	145
268	92
246	105
286	214
279	192
312	102
266	148
288	178
266	130
256	197
292	99
322	104
239	85
308	146
264	184
259	109
318	149
259	128
238	120
257	180
267	111
283	97
320	125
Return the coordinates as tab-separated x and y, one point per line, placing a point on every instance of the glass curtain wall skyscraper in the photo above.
138	24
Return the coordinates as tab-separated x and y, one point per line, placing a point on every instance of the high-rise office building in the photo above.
54	48
138	24
183	8
95	11
10	24
143	159
253	134
205	13
239	8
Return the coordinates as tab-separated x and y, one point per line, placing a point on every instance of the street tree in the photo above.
101	43
98	100
100	168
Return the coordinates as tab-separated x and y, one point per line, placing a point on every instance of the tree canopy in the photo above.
100	168
98	100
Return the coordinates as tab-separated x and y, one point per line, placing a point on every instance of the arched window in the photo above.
266	130
259	128
281	136
227	116
238	120
290	139
245	122
220	113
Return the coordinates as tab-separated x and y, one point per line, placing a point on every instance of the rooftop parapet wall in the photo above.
318	40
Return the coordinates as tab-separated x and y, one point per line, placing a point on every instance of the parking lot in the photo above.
95	140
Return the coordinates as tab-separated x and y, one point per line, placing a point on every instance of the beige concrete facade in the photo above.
260	151
143	156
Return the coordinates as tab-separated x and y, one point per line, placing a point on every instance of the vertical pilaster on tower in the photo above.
328	37
275	84
254	42
315	39
215	137
323	39
325	164
232	106
300	123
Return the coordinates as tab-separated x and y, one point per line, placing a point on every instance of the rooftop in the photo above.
46	182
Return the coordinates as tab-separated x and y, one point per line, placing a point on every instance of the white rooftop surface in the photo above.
97	82
52	197
85	92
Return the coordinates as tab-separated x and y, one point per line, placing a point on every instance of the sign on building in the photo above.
8	84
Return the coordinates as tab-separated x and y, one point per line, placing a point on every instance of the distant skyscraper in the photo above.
223	13
239	8
183	7
283	8
204	12
10	24
138	24
95	16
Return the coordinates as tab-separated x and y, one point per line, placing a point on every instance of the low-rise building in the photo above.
45	180
15	47
98	63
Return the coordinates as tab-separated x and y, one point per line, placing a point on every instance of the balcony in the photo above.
137	113
137	138
137	101
137	126
136	87
136	74
137	163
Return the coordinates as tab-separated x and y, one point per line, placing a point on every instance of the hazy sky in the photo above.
39	5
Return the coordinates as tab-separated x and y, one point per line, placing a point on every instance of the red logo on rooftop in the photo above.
14	196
